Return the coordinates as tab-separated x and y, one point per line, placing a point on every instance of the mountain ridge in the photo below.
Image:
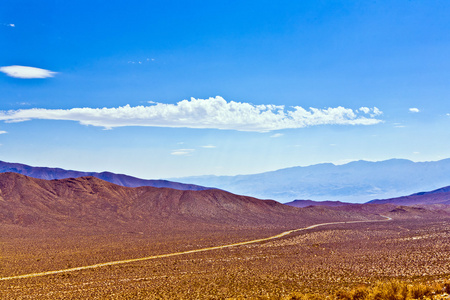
356	182
438	196
120	179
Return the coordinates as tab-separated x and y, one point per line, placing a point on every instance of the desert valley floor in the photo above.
321	260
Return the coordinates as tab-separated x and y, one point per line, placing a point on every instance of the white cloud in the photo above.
373	112
182	151
414	110
11	25
3	132
276	135
214	113
209	146
376	111
365	110
26	72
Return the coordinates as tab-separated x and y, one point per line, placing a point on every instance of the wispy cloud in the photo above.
214	113
276	135
209	146
182	151
26	72
3	132
414	110
10	25
140	62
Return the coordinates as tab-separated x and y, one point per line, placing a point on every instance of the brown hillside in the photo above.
89	201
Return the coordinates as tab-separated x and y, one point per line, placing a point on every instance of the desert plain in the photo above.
388	242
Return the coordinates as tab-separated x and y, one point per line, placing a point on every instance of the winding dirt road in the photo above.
118	262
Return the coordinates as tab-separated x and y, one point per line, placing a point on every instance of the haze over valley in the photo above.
358	181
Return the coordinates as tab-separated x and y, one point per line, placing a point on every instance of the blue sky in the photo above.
161	89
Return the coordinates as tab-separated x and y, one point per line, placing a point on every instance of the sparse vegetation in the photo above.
348	259
390	290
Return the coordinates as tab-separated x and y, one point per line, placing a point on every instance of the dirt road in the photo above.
183	252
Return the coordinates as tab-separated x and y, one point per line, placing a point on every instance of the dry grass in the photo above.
390	290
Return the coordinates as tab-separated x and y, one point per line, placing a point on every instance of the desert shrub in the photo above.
446	287
343	295
420	290
300	296
294	296
399	290
395	290
360	293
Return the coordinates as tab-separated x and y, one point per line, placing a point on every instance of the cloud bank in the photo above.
26	72
215	113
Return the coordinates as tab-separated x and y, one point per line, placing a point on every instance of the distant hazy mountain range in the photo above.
307	203
439	196
120	179
357	182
